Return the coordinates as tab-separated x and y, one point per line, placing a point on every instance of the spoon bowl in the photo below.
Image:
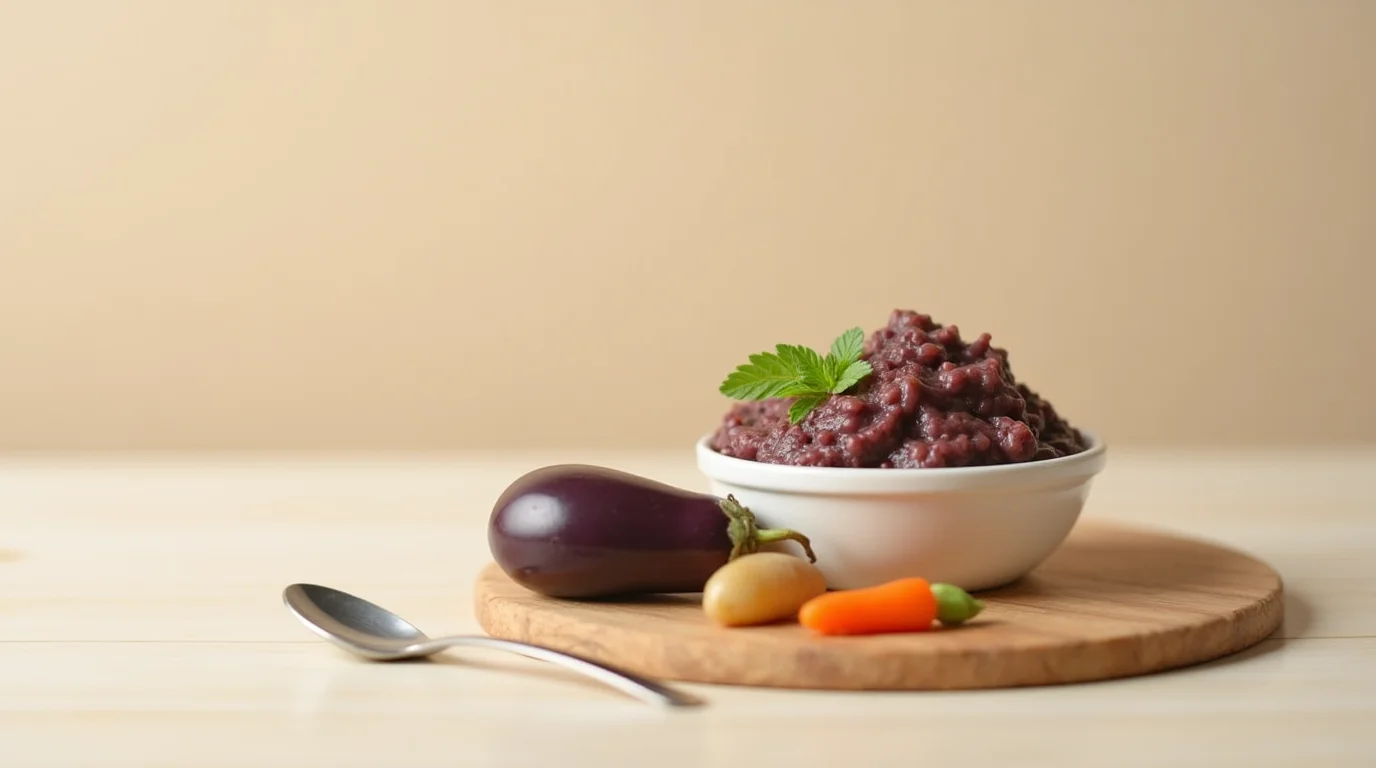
373	632
353	623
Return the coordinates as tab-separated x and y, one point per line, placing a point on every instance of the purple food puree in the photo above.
932	401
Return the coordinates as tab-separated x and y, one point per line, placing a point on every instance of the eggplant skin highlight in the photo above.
579	531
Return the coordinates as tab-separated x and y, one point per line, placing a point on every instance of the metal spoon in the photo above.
373	632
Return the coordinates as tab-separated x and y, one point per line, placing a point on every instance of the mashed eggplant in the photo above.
933	400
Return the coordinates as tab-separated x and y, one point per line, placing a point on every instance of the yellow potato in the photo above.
760	588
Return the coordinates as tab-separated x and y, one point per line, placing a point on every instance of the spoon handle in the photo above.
627	682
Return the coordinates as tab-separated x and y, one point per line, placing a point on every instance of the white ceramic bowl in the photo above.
975	527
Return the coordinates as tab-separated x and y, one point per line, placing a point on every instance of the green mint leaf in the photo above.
802	373
810	367
766	376
797	389
848	347
851	376
803	406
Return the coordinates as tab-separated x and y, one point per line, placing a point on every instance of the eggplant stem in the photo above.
746	536
771	535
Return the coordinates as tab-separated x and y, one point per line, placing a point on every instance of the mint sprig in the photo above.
802	373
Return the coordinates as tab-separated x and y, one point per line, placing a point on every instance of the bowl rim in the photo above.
1076	468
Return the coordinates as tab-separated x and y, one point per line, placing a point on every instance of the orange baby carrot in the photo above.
904	605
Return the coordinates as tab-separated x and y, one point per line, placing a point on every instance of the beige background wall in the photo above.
448	225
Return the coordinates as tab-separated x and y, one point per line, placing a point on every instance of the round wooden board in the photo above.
1111	602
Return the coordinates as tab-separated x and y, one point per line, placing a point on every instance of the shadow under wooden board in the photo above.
1112	602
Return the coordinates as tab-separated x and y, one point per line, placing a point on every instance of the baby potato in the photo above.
760	588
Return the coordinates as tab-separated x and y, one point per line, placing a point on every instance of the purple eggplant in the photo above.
577	531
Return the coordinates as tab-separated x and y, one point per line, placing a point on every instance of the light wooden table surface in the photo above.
141	625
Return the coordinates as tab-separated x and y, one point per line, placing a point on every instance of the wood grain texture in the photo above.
1113	602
